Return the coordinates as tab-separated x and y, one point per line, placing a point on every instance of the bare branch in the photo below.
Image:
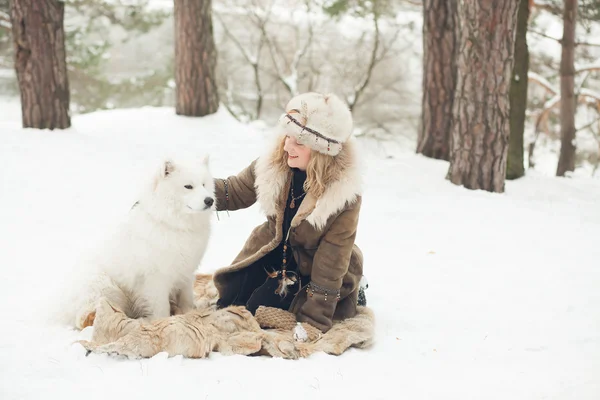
314	72
583	80
373	62
387	47
588	68
253	60
596	121
543	82
542	34
560	40
235	41
274	52
281	66
299	55
230	101
542	119
542	5
587	44
590	94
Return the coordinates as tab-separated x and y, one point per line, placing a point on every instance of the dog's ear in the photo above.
167	168
205	160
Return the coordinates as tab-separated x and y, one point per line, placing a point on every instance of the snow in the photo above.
160	4
6	73
476	295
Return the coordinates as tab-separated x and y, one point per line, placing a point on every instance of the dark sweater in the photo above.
255	275
275	257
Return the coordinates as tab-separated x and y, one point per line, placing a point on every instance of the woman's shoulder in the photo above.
354	204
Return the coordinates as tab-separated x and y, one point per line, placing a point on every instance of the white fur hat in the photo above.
322	122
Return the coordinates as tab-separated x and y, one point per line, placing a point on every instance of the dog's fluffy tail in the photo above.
74	298
60	307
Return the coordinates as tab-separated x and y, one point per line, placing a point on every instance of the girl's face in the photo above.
298	154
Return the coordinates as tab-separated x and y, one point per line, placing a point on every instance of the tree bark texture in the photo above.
195	58
518	95
481	121
439	77
566	160
40	63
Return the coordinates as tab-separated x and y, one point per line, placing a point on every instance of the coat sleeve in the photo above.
236	192
330	265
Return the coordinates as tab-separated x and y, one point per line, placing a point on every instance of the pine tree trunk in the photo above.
40	63
518	95
439	77
195	58
481	123
566	160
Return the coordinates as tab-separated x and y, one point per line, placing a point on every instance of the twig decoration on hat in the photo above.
322	122
306	128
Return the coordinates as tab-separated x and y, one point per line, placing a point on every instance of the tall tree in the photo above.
518	95
566	160
195	59
480	127
439	77
40	62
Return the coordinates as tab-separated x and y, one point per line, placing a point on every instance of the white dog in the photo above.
150	261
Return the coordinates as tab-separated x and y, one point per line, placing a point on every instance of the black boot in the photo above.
268	294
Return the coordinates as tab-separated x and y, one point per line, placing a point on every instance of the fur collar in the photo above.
273	180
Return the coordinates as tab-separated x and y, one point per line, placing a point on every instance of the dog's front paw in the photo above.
186	309
178	310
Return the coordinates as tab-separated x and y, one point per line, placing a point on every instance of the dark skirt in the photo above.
254	287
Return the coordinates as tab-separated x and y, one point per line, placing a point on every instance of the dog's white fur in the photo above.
150	260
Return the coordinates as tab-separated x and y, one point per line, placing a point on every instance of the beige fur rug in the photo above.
232	330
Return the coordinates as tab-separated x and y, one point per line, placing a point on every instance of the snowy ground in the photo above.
477	295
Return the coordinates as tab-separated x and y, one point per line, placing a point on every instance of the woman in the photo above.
303	258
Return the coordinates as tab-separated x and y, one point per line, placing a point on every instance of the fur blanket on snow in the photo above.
231	330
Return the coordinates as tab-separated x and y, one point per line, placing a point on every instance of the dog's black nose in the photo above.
209	201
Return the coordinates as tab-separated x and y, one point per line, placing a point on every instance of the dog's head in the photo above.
187	186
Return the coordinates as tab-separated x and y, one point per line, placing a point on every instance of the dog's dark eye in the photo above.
188	187
204	185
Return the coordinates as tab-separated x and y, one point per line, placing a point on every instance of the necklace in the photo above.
287	278
293	202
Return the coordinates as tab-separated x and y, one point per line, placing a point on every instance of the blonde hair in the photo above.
322	169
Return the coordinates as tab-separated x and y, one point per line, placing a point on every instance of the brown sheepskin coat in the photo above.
321	236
